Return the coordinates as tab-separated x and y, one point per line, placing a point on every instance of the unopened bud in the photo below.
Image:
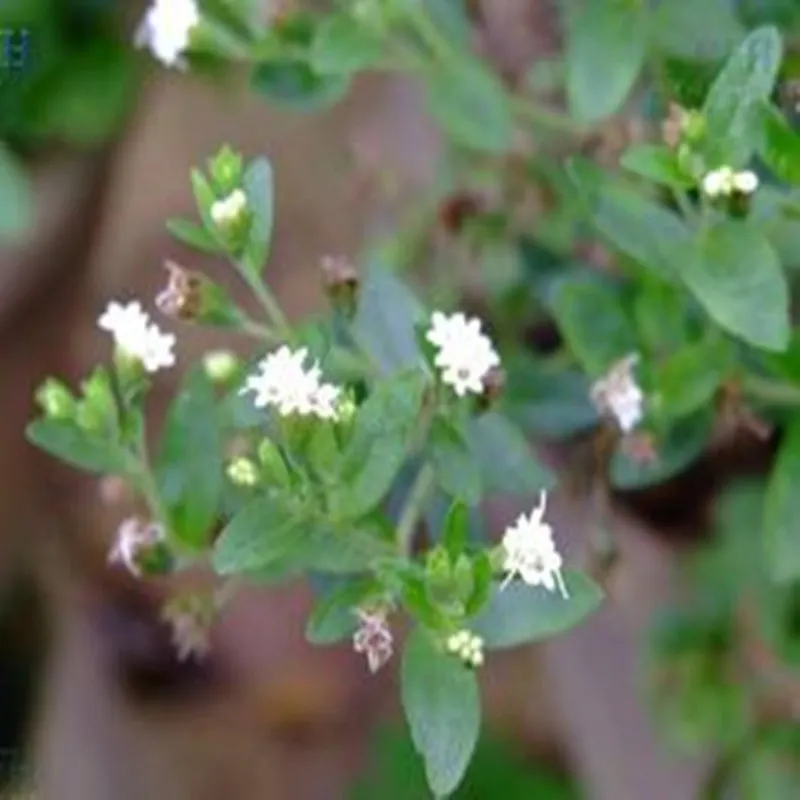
221	366
346	409
493	385
231	210
225	169
182	297
340	280
243	472
56	400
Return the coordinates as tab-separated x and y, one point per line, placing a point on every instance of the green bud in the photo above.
98	408
694	126
463	580
497	558
439	577
273	465
56	400
226	169
221	366
243	472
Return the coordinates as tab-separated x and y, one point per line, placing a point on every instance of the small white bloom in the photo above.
137	336
465	354
723	182
745	182
618	394
166	28
134	537
284	382
230	208
243	472
468	647
530	551
373	638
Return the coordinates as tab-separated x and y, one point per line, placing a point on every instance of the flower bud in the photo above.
340	280
243	472
221	366
56	400
226	169
231	210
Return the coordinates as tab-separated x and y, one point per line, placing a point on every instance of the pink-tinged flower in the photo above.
617	394
373	638
134	538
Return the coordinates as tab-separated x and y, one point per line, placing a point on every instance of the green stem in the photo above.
267	301
545	117
412	511
782	394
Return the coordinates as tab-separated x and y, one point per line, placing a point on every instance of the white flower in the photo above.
229	209
373	638
243	472
618	394
724	181
166	28
466	355
530	552
133	538
284	382
137	336
468	647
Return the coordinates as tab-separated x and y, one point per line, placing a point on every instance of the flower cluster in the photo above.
190	617
166	28
284	382
137	336
468	647
373	638
530	552
465	354
723	182
134	539
618	395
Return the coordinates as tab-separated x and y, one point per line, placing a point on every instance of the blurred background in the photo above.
93	704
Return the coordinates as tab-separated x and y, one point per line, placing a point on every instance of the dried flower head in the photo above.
182	296
373	637
135	538
618	395
191	617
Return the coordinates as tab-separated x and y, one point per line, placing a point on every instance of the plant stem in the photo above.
782	394
267	301
545	117
412	511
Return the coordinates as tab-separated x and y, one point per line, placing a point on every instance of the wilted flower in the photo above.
137	336
134	539
191	618
723	182
373	638
466	355
166	29
182	296
530	551
284	382
468	647
618	394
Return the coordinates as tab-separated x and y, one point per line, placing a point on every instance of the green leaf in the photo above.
737	277
16	200
677	450
194	235
706	31
204	197
456	529
520	614
378	445
471	105
66	441
780	145
594	323
606	45
333	617
656	163
297	86
506	460
733	104
781	507
643	230
263	533
342	46
689	378
456	471
385	319
442	705
322	549
189	467
258	186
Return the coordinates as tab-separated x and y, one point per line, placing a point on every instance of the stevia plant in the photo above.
665	264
